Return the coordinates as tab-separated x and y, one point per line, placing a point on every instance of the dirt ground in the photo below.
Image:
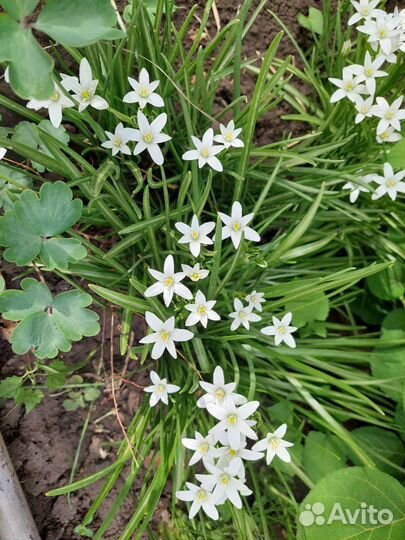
43	443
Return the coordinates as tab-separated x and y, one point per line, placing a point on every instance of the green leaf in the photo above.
346	490
322	455
10	386
29	397
19	8
12	182
388	284
312	22
91	394
30	67
380	443
57	373
30	228
47	324
8	29
71	405
77	23
396	155
306	310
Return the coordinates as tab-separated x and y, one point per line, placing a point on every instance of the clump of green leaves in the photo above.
47	324
32	227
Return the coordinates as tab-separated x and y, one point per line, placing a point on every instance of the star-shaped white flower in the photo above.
219	392
369	71
201	311
234	421
365	9
195	273
55	105
225	485
204	448
389	135
143	91
205	151
275	445
84	88
228	456
160	389
390	184
381	31
364	108
164	335
200	498
168	283
349	86
256	299
236	226
149	136
195	234
356	189
229	135
281	330
242	315
3	152
117	141
391	115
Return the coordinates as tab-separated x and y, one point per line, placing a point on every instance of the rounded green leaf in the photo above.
29	228
354	503
388	284
19	8
322	455
8	29
77	23
30	67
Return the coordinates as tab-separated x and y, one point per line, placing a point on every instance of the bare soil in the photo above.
43	443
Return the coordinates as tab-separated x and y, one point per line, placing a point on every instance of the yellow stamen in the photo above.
389	115
236	226
202	310
232	452
219	394
160	389
118	142
201	495
282	330
195	235
144	92
229	136
168	282
224	479
232	419
55	96
205	152
204	448
148	137
391	183
195	276
165	336
86	94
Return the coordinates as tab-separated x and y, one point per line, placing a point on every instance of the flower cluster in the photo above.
169	283
386	36
223	451
390	183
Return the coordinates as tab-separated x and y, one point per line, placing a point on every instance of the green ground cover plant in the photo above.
270	277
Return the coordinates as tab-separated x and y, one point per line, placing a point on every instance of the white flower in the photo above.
389	135
369	71
168	283
356	189
55	104
365	10
363	108
160	389
225	485
143	91
349	86
118	140
275	445
229	136
204	448
236	226
84	88
219	392
381	31
390	183
202	311
195	234
3	152
7	75
164	335
391	115
281	330
233	421
255	299
205	151
229	456
243	315
201	498
195	273
149	136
